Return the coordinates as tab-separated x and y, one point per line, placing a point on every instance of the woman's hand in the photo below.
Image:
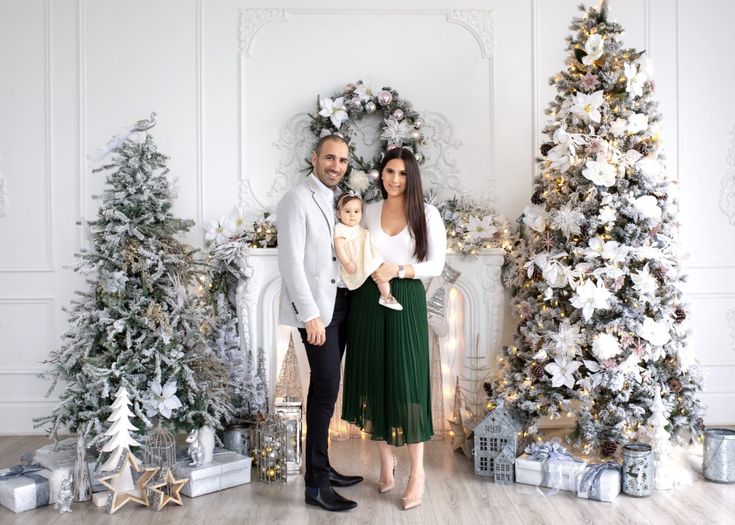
385	273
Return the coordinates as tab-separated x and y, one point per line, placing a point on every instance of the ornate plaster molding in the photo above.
252	21
727	198
480	23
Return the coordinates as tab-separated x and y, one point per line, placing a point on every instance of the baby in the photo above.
357	257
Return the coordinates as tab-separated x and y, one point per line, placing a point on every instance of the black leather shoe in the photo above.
340	480
328	499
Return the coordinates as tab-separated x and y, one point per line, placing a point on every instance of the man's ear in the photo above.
313	159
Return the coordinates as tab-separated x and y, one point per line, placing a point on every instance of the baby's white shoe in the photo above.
390	302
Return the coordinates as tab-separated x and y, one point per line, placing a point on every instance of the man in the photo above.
312	301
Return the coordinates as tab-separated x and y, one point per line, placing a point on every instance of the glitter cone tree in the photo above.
597	282
136	327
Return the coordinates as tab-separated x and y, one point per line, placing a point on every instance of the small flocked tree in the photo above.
135	326
597	281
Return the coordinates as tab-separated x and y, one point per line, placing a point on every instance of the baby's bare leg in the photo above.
384	289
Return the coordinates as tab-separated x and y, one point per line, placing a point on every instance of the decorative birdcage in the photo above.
271	435
160	448
290	411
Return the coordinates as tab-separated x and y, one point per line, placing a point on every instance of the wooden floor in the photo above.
453	495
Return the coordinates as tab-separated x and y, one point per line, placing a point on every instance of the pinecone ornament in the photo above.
643	148
679	315
537	197
675	385
537	371
608	448
659	271
545	148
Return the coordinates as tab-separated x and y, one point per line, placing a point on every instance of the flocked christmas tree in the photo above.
288	385
135	326
597	281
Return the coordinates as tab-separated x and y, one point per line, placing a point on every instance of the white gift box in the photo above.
552	473
601	486
228	469
26	492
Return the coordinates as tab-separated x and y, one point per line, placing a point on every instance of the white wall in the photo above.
76	71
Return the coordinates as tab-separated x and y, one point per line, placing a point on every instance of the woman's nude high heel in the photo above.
384	487
414	501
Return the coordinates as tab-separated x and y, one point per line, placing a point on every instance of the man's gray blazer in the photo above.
306	257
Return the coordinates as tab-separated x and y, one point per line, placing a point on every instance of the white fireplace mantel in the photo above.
479	284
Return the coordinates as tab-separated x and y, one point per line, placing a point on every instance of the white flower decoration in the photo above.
535	218
645	66
646	207
567	340
655	333
617	127
366	90
605	346
481	229
396	132
637	122
335	110
587	107
162	399
567	219
607	215
644	283
358	181
650	168
600	173
594	47
220	231
562	372
554	271
636	79
590	297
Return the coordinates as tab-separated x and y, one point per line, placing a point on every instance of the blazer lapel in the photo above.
328	214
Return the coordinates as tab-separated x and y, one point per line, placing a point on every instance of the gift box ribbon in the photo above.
543	451
43	491
590	482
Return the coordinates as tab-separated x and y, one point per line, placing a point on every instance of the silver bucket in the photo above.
718	462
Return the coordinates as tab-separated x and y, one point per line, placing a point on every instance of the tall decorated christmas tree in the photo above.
597	280
136	327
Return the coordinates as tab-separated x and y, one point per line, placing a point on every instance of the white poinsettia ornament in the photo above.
644	284
479	229
637	122
590	297
646	207
635	80
162	399
562	372
568	219
656	333
567	340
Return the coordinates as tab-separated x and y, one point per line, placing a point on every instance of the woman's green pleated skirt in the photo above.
386	389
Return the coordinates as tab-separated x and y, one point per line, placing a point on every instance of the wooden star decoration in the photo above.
458	435
116	498
166	489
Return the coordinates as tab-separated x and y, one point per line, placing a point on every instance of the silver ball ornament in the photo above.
418	123
390	147
385	97
419	157
356	102
416	135
373	175
370	107
398	114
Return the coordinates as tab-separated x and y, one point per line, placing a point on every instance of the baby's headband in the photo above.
346	194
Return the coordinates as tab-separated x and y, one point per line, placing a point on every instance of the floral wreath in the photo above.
401	128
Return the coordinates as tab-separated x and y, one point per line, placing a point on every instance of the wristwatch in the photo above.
401	272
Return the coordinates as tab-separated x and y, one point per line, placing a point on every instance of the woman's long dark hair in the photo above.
414	199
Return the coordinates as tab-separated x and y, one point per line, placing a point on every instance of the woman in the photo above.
387	377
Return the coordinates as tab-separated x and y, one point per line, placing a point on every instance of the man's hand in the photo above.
350	267
385	273
316	334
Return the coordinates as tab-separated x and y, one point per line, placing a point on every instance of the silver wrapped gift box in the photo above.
554	473
61	457
25	492
228	469
600	482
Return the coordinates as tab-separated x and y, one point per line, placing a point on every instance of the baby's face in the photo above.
350	213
